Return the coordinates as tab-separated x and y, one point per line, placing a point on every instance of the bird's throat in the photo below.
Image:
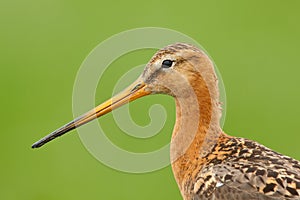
196	130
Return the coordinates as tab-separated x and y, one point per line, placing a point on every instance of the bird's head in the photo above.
175	70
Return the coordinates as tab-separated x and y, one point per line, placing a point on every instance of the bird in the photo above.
207	163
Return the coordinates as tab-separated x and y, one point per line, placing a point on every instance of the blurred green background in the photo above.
255	45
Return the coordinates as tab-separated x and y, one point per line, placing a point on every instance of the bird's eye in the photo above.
167	63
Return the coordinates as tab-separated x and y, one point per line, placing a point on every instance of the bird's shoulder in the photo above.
249	167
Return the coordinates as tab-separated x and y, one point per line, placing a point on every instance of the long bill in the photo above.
136	90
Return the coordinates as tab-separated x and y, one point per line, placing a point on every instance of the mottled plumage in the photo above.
207	163
243	168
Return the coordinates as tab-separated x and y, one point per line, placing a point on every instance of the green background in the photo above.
255	45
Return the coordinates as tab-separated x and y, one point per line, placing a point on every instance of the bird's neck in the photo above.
197	128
